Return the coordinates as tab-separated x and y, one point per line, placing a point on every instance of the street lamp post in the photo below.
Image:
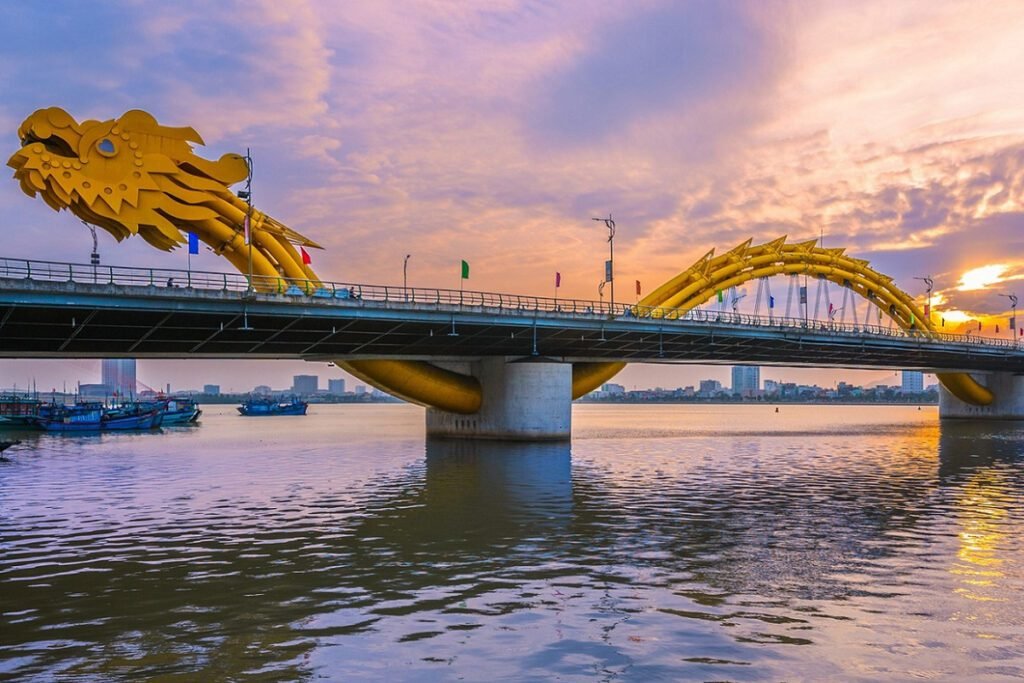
928	283
1013	315
609	271
246	194
405	276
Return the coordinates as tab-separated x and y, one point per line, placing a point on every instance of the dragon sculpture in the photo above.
133	176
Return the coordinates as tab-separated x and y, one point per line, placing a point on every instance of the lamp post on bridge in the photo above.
928	283
246	194
609	270
405	276
1013	315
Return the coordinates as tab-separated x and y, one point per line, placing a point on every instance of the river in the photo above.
666	542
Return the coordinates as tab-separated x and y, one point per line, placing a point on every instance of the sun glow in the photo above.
955	316
980	278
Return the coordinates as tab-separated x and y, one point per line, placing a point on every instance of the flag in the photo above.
720	297
979	326
1013	323
305	256
638	288
193	243
831	310
927	310
771	301
997	329
247	237
911	318
803	295
558	280
943	322
465	270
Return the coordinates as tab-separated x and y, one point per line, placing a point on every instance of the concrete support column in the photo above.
1008	389
523	401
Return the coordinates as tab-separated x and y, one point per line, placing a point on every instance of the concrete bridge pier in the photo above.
1008	404
523	400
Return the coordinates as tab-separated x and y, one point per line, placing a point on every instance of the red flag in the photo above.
558	280
927	310
305	257
979	326
638	288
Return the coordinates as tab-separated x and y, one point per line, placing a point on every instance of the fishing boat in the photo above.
258	406
132	417
78	417
19	411
94	417
177	410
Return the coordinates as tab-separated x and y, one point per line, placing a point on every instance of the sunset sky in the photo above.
494	131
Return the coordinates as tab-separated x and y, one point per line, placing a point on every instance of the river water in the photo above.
664	543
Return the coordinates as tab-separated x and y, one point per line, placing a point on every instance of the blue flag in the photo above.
771	302
193	243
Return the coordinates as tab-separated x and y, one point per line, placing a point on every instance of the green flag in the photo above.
465	270
720	297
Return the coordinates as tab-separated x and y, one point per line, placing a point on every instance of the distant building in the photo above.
360	390
746	380
119	375
913	382
211	389
305	384
771	387
709	387
336	386
262	389
611	389
95	390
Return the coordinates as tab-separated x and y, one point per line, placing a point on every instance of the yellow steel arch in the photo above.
711	274
132	175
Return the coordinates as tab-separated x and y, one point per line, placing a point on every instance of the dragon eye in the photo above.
106	147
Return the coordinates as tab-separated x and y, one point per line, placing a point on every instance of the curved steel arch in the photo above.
132	175
710	274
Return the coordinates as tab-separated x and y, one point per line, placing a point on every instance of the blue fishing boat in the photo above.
258	406
78	417
177	410
93	417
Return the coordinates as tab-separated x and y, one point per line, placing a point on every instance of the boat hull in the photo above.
273	409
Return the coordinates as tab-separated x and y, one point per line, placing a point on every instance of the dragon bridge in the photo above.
133	176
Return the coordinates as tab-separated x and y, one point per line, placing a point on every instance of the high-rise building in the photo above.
119	375
913	382
746	380
211	389
305	385
336	386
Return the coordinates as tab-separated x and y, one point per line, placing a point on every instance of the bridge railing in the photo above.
169	280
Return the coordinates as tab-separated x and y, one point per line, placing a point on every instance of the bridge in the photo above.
485	364
68	310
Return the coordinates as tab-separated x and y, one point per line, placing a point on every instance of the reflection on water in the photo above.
711	542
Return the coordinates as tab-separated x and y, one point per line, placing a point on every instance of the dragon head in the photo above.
128	175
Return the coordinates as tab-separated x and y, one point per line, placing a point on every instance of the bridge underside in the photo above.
103	321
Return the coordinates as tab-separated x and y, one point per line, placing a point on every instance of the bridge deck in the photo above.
43	316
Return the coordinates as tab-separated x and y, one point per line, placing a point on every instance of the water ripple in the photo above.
678	543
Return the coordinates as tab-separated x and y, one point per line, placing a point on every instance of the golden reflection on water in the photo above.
981	511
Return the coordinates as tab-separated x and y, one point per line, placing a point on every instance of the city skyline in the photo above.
368	129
